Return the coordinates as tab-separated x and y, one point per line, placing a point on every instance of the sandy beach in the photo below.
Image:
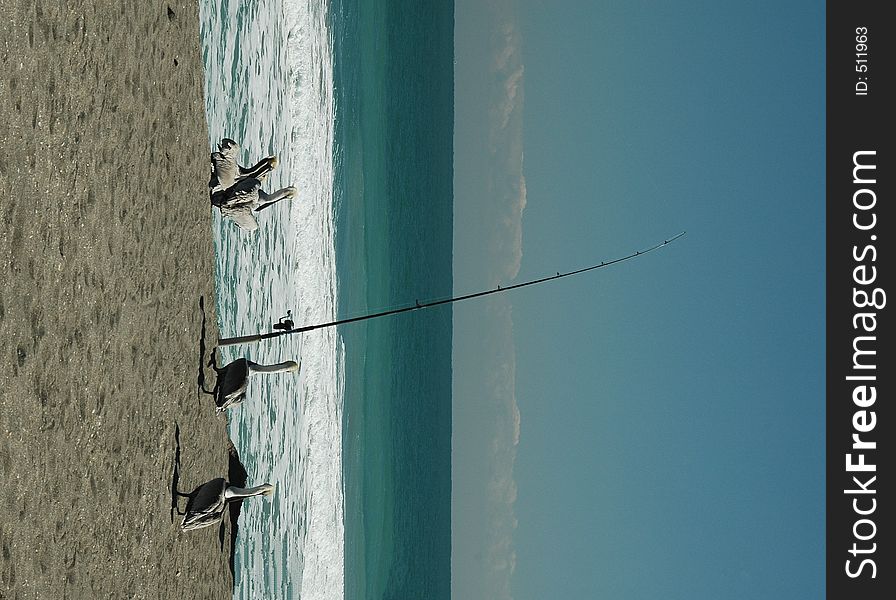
105	251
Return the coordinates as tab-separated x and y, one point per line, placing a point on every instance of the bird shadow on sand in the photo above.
200	378
175	472
212	363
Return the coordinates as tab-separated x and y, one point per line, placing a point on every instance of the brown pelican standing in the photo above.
240	200
207	503
226	171
233	379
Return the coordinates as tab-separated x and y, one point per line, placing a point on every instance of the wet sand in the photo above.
105	252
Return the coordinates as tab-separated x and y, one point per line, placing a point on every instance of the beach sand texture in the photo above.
105	251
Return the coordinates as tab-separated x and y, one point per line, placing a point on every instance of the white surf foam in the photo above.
270	83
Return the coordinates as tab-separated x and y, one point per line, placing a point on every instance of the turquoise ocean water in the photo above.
356	99
394	168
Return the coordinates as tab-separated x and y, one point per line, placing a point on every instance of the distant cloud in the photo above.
502	490
488	558
508	188
506	179
510	101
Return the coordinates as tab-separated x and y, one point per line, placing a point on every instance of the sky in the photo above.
655	429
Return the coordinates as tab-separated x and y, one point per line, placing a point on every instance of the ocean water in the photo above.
393	64
356	101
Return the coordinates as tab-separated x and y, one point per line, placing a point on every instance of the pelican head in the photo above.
261	169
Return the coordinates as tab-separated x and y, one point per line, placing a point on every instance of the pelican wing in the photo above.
237	202
206	505
204	518
244	191
233	384
242	216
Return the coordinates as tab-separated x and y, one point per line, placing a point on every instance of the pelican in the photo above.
233	379
226	171
207	503
240	200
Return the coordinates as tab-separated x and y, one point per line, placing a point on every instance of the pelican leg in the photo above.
213	360
175	503
212	391
213	363
216	391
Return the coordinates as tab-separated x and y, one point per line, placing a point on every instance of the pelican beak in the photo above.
270	490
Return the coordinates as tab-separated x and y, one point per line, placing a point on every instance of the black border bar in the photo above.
861	371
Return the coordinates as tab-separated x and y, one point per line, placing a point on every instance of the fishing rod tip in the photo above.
672	239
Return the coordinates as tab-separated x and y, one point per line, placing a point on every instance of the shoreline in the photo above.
105	251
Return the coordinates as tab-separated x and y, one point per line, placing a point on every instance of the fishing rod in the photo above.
246	339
